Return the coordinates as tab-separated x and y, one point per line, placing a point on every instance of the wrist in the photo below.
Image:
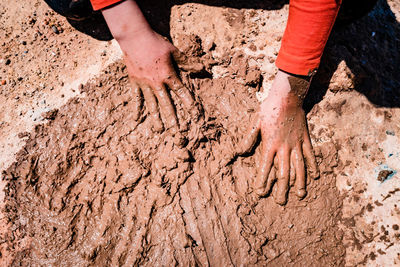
135	38
126	21
289	88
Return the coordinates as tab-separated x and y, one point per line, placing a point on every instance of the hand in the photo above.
286	144
149	59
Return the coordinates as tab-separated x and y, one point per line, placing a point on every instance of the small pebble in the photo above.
3	82
8	62
383	175
55	30
390	132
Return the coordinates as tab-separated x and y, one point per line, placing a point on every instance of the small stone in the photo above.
23	135
383	175
271	59
390	132
8	62
55	30
3	82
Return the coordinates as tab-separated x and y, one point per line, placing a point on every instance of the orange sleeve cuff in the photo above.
309	25
100	4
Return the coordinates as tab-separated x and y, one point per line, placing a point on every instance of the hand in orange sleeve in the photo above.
149	59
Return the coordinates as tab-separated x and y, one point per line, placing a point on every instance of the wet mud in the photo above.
94	187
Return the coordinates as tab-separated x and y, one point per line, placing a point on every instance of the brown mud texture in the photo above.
93	187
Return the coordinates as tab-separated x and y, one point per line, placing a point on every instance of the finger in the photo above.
262	179
175	84
192	64
272	175
283	177
137	101
298	162
308	152
152	106
270	182
292	174
167	108
250	139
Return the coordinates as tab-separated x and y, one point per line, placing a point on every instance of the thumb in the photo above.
190	64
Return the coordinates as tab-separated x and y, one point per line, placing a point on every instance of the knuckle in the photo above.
157	89
180	91
172	79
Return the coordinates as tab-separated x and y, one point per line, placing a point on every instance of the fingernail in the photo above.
281	200
301	193
315	175
183	156
157	128
180	141
260	192
174	129
136	115
229	159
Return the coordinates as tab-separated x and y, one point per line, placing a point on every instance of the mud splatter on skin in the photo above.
299	85
93	186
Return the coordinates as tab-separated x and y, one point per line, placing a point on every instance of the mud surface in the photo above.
93	187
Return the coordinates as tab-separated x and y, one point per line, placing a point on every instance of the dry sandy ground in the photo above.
86	185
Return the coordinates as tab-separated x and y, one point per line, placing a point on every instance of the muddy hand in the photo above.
149	58
286	144
153	78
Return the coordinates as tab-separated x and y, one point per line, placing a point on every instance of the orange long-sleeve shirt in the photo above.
99	4
309	25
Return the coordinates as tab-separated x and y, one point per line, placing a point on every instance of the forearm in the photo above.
125	20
